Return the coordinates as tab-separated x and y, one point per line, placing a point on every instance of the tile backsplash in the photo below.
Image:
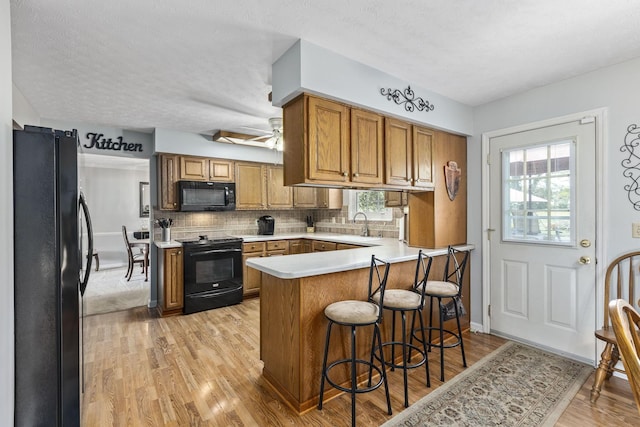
193	224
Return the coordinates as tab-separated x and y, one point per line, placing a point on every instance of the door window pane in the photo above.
538	193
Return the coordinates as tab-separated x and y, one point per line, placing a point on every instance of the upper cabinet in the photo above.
251	192
333	144
278	196
205	169
366	147
168	165
408	154
328	125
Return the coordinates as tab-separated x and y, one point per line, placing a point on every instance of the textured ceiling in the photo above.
204	65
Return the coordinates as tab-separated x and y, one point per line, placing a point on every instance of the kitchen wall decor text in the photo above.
101	143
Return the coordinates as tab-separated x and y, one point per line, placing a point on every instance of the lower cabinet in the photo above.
170	281
299	246
320	246
252	278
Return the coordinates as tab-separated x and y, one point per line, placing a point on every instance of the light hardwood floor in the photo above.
204	370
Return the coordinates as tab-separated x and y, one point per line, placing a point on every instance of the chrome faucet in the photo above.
365	229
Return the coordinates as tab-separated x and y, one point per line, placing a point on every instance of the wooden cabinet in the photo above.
320	246
168	165
341	246
221	170
330	198
205	169
328	142
435	220
170	281
300	246
312	197
366	147
251	277
395	199
305	197
408	155
250	186
194	168
278	196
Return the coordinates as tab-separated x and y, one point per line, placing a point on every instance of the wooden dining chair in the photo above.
141	257
620	283
626	321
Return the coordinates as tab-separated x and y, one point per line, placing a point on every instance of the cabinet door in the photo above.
422	155
328	145
194	168
174	279
394	199
221	170
305	197
250	186
251	278
168	176
366	147
341	246
398	152
296	247
278	196
330	198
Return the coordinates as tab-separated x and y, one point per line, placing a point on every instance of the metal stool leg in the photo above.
354	384
441	340
455	306
324	363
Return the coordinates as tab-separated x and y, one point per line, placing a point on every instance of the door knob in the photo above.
585	243
584	260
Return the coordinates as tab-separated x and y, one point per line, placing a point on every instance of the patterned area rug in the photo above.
516	385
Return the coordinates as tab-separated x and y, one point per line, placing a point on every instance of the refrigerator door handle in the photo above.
87	217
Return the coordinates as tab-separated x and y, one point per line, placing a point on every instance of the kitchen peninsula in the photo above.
295	291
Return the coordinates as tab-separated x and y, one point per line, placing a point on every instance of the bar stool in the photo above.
354	314
403	301
450	287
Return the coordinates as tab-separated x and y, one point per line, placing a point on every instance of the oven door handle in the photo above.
214	251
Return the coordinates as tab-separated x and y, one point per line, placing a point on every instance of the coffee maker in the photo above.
266	225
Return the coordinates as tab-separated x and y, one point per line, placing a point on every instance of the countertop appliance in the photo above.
212	272
266	225
49	260
197	196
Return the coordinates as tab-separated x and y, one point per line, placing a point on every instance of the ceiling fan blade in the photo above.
257	130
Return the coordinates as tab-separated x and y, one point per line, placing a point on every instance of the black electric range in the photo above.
212	272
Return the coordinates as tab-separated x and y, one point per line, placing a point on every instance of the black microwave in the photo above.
196	196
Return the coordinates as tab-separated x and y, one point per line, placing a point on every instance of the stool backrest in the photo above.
378	282
456	266
423	266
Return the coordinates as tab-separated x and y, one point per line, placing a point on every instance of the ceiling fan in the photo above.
271	140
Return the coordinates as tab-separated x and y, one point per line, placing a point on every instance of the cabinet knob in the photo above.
345	174
175	203
356	174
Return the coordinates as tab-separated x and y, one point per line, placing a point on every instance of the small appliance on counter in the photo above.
266	225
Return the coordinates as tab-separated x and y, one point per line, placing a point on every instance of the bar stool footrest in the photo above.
410	348
445	333
357	390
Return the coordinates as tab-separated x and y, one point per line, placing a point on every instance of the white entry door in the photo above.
542	239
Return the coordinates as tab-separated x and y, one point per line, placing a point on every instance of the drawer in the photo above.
253	247
277	245
276	253
319	246
341	246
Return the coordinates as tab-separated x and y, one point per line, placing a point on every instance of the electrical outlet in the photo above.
635	230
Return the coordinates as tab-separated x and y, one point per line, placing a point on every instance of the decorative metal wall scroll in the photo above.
408	98
632	164
452	178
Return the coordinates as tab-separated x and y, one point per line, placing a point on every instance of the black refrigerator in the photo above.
51	269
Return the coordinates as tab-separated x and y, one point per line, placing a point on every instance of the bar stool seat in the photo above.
352	312
356	313
403	301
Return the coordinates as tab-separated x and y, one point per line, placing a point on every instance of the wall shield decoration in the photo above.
452	178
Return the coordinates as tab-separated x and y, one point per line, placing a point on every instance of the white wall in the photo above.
23	111
112	194
6	221
615	88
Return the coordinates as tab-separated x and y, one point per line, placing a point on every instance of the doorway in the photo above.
113	187
541	222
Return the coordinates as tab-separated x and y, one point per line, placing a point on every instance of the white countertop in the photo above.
317	263
167	245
